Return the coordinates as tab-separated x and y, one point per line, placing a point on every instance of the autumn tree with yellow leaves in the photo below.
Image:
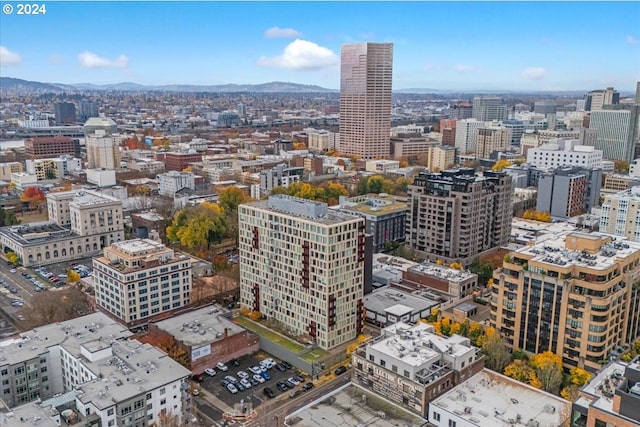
537	215
501	164
198	226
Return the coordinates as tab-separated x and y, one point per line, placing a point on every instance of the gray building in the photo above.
87	109
569	191
545	107
617	132
65	113
488	108
279	176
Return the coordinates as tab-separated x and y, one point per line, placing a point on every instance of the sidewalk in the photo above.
211	398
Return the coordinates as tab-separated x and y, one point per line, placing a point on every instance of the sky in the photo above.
550	46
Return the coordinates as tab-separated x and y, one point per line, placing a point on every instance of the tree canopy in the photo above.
329	193
230	198
33	195
198	226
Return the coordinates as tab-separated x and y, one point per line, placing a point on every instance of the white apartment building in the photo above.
23	180
321	140
564	153
303	265
382	166
620	214
467	135
169	183
103	151
141	278
46	169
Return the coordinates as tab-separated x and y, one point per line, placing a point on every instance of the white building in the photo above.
617	130
489	399
467	135
141	278
303	265
101	177
322	140
382	166
54	168
561	152
634	168
620	214
103	151
23	180
169	183
6	169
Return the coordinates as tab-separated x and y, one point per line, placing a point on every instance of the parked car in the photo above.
282	386
254	382
234	362
341	370
291	382
232	388
255	370
231	379
239	386
224	383
222	367
286	364
269	393
298	378
265	375
13	270
210	371
245	383
307	386
14	290
259	378
280	367
17	303
294	393
267	363
242	374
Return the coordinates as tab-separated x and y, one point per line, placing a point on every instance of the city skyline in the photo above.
440	45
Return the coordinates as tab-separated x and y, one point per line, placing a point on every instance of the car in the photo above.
254	382
222	367
280	367
307	387
298	378
62	276
341	370
255	370
269	393
14	290
239	386
13	270
195	392
282	386
242	374
245	383
294	393
259	378
197	378
37	289
224	383
234	362
231	379
265	375
286	364
267	363
232	388
210	371
292	382
17	303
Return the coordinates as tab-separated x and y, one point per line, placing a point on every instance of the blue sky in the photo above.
442	45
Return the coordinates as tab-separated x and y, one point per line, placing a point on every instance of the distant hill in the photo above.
12	85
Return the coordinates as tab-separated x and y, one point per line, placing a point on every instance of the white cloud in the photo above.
301	55
632	40
91	60
466	69
9	58
533	73
281	33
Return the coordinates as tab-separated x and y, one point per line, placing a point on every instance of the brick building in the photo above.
48	147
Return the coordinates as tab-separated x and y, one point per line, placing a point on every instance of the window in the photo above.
436	416
452	423
110	411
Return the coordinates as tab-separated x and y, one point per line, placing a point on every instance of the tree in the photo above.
579	376
230	198
621	166
72	276
519	370
570	392
13	258
198	226
495	350
501	165
168	420
548	368
374	184
33	195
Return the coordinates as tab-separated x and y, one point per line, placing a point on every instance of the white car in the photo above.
267	363
210	371
242	374
232	388
256	370
293	381
245	383
221	366
259	378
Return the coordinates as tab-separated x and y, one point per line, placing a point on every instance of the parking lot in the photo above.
255	393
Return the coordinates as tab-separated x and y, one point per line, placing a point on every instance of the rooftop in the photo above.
316	212
202	326
442	272
138	246
602	387
490	399
96	329
372	204
30	414
35	232
384	298
381	260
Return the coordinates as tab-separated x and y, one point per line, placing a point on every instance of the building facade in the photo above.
303	265
455	215
139	279
279	176
103	151
488	108
169	183
467	135
65	113
620	214
617	132
47	147
365	99
6	169
564	153
569	191
574	294
492	139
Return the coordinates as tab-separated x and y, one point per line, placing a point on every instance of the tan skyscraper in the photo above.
365	99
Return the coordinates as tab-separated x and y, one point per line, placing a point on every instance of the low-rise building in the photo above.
6	169
381	166
411	365
101	177
489	399
454	282
388	305
169	183
23	180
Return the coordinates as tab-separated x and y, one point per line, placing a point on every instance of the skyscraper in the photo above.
617	131
488	108
87	109
365	99
65	113
597	99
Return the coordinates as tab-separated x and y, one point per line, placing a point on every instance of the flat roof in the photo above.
381	260
321	215
33	415
382	299
399	310
373	204
603	386
82	331
490	399
200	327
442	272
138	245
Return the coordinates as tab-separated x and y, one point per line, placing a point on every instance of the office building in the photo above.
385	217
101	177
545	107
169	183
410	365
596	100
564	153
140	279
488	108
611	397
302	265
617	132
86	110
178	161
454	215
489	399
569	191
570	294
322	140
279	176
467	135
365	99
411	148
80	224
620	214
103	151
382	166
104	124
47	147
492	140
6	169
65	113
48	169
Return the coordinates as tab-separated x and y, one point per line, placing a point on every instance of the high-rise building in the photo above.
455	215
138	279
572	294
617	132
492	139
489	108
46	147
638	93
620	214
103	151
597	99
365	99
545	107
467	135
87	109
303	265
569	191
564	152
65	113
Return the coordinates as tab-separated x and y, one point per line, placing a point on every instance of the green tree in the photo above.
548	368
375	184
230	198
495	351
8	217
